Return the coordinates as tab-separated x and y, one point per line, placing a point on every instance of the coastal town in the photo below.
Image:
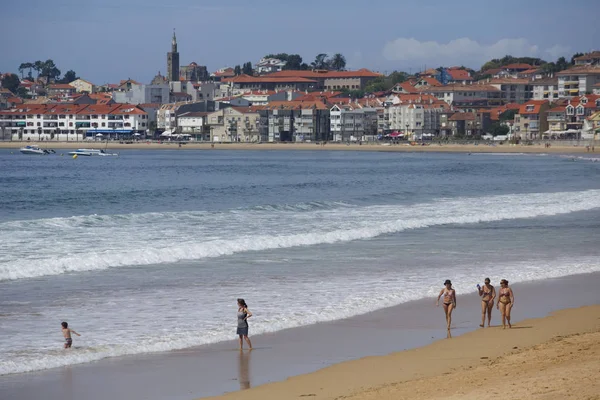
281	99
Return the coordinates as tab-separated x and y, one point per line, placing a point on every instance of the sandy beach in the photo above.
283	364
555	357
434	147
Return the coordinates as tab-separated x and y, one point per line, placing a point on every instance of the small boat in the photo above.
35	150
91	152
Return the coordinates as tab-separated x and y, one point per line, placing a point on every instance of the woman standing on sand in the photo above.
242	328
506	301
449	301
488	294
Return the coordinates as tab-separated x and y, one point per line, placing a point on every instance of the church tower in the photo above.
173	61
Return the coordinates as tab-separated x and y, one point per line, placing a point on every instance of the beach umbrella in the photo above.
99	135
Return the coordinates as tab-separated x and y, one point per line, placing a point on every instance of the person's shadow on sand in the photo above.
244	370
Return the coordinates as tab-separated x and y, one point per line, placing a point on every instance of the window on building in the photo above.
570	110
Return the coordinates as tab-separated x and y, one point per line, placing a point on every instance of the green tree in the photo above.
49	70
22	93
498	129
23	67
237	70
508	115
320	61
337	62
562	64
247	68
69	77
11	82
38	66
354	94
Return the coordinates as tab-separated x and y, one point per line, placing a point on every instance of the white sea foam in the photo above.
61	245
136	328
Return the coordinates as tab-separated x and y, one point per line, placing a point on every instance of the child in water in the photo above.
66	331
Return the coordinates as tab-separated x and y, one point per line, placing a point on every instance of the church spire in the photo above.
174	42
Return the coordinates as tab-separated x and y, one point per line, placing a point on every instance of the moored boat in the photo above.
91	152
35	150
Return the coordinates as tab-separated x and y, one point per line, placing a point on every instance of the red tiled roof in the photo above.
61	86
296	105
14	100
518	66
431	81
530	71
460	75
457	87
408	87
248	110
459	116
537	104
267	79
81	109
589	56
361	73
557	109
585	69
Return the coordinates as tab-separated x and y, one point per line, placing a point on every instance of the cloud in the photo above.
557	51
463	51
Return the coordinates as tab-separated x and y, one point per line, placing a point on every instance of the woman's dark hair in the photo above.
447	282
487	280
504	281
64	324
242	303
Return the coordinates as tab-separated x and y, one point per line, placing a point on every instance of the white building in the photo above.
545	89
268	65
353	122
83	86
415	118
578	81
476	95
73	122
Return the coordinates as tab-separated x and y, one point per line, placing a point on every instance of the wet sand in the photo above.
216	369
434	147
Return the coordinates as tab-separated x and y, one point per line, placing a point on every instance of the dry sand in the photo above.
461	148
555	357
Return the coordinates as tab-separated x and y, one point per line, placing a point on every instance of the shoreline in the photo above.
286	355
433	147
535	353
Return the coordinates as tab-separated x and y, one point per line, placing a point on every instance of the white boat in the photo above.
91	152
35	150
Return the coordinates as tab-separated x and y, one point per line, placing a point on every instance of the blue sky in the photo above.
108	40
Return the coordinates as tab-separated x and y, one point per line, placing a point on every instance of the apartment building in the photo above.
234	124
331	80
352	122
532	120
295	121
269	65
83	86
166	116
67	122
471	97
137	93
545	89
578	81
60	90
513	90
592	58
193	125
415	116
244	83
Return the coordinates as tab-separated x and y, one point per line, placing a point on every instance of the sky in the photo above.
105	41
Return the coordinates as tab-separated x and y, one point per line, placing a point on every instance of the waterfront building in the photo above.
70	122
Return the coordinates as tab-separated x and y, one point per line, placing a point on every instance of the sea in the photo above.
147	252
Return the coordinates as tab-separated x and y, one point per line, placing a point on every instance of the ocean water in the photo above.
148	252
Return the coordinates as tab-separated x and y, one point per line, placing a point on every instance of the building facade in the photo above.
83	86
295	122
57	122
193	73
545	89
532	120
578	81
140	93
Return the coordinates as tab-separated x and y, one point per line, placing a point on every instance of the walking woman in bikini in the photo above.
506	301
449	301
488	294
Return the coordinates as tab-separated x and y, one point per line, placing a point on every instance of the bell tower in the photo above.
173	61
